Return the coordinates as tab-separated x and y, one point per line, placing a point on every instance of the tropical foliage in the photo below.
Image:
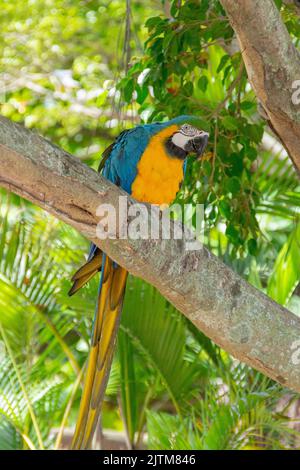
79	72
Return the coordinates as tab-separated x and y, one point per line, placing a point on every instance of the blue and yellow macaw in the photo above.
149	163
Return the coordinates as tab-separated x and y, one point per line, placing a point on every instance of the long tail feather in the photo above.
106	322
86	272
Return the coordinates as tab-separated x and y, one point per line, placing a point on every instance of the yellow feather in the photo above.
104	336
158	175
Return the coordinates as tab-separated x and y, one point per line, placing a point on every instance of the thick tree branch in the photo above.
273	65
235	315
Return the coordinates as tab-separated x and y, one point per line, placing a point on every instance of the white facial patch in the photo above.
180	139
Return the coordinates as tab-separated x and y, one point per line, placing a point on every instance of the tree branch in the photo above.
235	315
272	63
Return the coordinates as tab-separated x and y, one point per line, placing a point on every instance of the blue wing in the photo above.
119	161
121	166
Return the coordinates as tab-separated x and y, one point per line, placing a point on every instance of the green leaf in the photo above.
225	209
237	165
153	22
202	83
128	90
252	246
278	3
170	432
230	123
142	93
188	89
233	185
223	62
233	234
248	105
128	385
251	153
255	132
286	272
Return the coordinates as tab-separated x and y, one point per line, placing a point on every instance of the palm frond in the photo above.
286	273
158	332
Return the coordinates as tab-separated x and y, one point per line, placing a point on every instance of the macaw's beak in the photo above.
199	144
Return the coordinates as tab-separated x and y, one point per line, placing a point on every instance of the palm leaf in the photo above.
286	272
158	332
128	385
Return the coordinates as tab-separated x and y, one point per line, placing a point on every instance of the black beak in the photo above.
199	144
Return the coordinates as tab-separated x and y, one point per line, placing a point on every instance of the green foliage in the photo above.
58	63
185	71
158	334
230	416
37	362
286	273
64	71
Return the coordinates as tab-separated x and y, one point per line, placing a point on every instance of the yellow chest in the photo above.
158	175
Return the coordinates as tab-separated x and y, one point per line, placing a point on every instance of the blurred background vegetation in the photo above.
79	72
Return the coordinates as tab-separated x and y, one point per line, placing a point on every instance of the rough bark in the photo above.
272	63
235	315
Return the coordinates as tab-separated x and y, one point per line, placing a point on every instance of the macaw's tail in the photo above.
106	321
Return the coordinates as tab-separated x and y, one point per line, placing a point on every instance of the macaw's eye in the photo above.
185	128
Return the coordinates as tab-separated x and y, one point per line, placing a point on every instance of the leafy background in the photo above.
79	72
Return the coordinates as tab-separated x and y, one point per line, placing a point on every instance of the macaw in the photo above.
149	163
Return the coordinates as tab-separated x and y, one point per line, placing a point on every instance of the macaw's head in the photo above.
187	138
